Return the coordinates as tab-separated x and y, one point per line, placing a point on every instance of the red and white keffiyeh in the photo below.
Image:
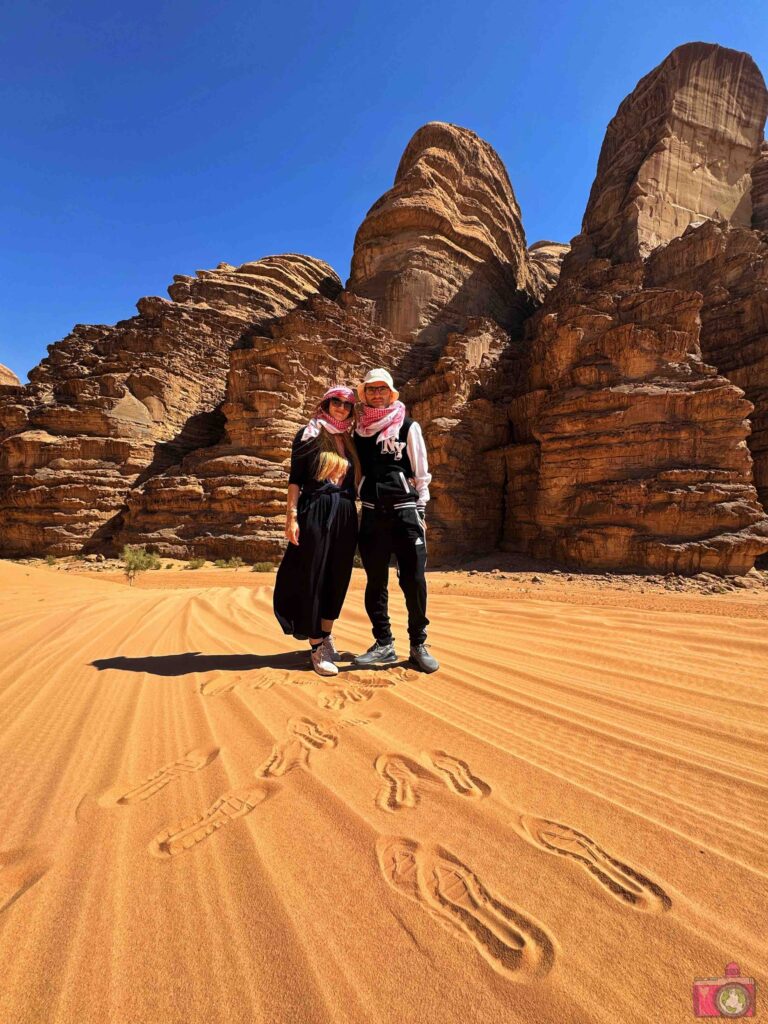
324	419
386	422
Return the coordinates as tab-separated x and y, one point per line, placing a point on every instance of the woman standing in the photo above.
321	526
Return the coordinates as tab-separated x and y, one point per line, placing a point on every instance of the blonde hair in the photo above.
329	462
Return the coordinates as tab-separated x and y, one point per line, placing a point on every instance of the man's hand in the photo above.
292	531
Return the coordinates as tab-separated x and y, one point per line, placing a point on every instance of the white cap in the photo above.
378	376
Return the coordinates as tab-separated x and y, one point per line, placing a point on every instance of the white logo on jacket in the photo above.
389	446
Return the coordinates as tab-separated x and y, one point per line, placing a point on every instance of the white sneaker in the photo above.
330	648
322	663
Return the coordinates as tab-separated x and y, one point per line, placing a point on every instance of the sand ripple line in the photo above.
19	871
512	943
302	737
226	809
193	761
621	880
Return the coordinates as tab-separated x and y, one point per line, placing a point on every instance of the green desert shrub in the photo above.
195	563
262	567
138	559
50	559
234	562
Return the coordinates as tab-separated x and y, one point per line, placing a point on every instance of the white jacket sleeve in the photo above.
417	453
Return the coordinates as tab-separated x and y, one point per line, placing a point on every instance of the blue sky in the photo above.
145	140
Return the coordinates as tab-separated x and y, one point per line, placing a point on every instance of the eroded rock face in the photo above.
8	378
680	148
446	243
112	404
729	267
229	499
630	451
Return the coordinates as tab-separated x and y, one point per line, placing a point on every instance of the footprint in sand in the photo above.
265	679
404	777
19	871
337	699
511	942
457	775
619	879
189	833
218	682
191	762
302	737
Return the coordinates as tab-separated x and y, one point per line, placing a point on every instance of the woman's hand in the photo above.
292	530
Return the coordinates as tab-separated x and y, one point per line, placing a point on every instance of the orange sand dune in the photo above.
567	823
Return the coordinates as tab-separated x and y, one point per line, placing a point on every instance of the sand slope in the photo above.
567	823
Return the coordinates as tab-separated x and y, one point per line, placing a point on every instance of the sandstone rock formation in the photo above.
446	243
8	378
229	499
729	267
605	405
631	451
679	149
109	404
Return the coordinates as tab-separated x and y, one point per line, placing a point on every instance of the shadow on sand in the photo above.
195	661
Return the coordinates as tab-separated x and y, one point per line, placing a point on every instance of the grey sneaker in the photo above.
421	657
379	654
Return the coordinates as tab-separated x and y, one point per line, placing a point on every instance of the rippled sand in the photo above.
567	823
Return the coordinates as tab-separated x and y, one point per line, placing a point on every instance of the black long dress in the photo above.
314	575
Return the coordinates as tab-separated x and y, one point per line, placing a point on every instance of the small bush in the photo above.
262	567
50	559
234	562
195	563
169	566
220	563
138	559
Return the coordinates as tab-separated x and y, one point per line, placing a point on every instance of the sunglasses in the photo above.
369	390
340	401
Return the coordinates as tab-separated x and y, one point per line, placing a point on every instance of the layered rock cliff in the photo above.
680	148
112	404
8	378
632	450
445	243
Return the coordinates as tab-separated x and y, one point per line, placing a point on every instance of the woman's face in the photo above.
340	409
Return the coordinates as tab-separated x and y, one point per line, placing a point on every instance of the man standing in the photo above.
394	491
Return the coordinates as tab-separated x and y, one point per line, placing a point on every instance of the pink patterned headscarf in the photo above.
322	418
388	421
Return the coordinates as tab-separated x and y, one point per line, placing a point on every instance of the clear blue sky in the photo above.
146	139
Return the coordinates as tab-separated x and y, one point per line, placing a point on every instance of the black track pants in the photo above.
313	577
401	533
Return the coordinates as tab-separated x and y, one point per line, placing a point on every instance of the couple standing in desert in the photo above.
376	454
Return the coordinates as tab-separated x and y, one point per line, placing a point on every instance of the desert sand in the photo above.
567	823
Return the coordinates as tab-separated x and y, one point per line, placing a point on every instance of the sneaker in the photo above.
421	657
330	649
379	654
322	663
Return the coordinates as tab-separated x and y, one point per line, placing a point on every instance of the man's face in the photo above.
378	395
